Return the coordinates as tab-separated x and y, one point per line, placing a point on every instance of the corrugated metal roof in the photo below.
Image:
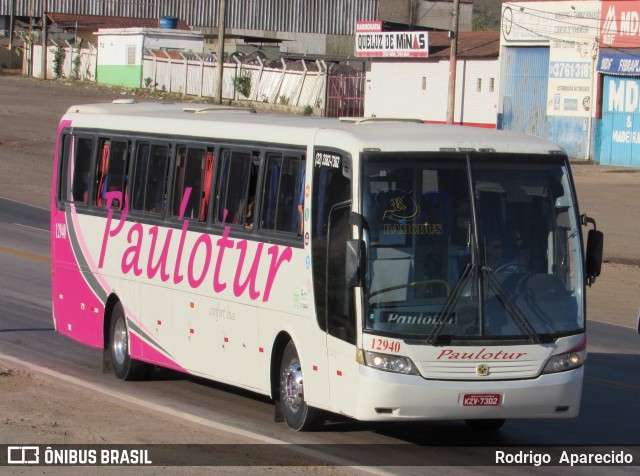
93	22
471	44
304	16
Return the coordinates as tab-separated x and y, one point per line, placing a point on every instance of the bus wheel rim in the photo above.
293	386
120	341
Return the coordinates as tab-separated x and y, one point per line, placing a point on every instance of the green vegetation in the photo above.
486	14
243	84
58	60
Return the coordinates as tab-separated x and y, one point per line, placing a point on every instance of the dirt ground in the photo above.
37	408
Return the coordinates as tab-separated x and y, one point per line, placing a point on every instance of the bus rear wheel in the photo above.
123	365
296	413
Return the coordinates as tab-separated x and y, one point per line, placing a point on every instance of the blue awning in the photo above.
619	62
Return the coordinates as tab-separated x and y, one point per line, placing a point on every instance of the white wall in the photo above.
113	43
395	89
159	40
112	49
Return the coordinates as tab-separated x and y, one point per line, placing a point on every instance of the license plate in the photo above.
481	399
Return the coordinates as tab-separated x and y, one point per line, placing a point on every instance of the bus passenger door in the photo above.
331	228
341	317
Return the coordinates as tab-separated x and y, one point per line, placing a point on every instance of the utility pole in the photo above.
12	23
220	52
453	62
44	39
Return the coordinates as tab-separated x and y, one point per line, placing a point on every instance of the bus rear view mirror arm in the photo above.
355	253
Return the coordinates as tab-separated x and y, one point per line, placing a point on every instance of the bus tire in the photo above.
493	424
123	365
296	413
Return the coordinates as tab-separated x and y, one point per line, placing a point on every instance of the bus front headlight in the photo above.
388	363
572	359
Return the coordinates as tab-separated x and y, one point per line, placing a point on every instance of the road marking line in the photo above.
24	254
609	383
35	228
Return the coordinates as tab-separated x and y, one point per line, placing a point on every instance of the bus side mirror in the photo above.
354	266
593	259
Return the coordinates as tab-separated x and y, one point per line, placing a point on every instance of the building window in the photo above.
492	83
424	83
479	85
131	54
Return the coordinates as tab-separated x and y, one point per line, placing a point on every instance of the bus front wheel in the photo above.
123	365
296	413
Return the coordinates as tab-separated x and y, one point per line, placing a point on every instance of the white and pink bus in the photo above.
385	270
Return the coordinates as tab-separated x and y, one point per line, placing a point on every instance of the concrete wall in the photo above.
10	59
112	65
417	89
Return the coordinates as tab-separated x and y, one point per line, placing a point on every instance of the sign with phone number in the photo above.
570	69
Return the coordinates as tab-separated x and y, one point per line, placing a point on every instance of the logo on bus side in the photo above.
482	370
482	354
192	264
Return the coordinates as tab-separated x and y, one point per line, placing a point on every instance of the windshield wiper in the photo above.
517	315
450	305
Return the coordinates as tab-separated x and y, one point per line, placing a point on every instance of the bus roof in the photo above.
208	121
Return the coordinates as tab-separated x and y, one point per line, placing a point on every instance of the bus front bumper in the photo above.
385	396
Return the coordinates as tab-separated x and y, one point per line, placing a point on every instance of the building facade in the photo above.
570	72
305	27
121	51
417	87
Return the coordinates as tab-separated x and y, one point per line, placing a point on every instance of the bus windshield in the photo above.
473	246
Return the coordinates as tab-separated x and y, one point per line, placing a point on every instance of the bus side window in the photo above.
283	194
150	178
82	170
66	159
112	170
101	174
191	172
207	179
236	184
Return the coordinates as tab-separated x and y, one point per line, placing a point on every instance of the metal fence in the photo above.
345	96
297	83
78	63
287	83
